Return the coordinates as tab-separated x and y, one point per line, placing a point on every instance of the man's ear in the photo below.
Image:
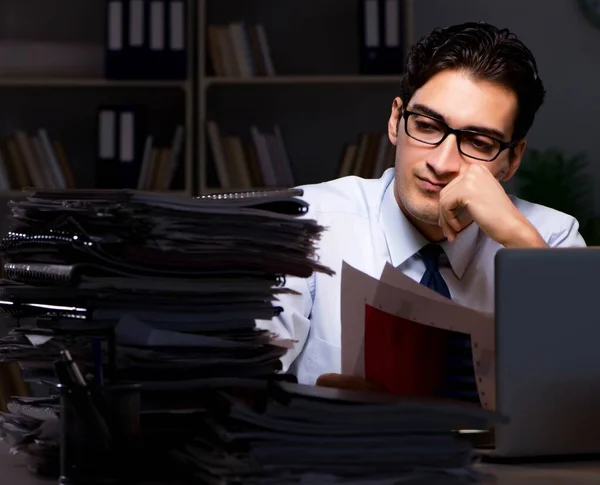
514	161
394	120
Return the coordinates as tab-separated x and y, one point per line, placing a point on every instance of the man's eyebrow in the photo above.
484	130
426	110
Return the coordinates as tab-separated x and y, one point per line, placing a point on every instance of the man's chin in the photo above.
430	221
418	207
425	215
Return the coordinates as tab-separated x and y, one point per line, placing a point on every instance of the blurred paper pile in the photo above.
32	426
158	290
304	434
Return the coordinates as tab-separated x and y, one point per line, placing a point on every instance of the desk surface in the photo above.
14	472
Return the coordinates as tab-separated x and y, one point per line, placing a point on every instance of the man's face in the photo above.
423	170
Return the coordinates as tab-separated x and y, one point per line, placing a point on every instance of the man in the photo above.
466	103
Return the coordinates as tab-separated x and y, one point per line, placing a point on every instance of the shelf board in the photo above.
220	190
45	81
342	79
179	193
5	194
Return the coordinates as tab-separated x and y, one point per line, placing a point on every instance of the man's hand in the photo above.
341	381
477	196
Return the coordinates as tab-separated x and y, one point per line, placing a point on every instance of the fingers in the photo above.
448	230
453	215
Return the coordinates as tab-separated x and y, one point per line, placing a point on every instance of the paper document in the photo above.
304	434
384	341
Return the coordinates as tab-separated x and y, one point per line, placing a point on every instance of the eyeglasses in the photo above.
472	144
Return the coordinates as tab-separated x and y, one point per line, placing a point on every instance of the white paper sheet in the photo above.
396	294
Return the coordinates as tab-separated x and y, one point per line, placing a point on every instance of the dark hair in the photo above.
486	53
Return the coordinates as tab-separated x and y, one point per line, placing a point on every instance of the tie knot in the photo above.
431	256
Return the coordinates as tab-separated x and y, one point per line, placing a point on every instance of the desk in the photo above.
14	472
545	474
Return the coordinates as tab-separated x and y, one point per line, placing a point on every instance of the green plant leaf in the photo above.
551	179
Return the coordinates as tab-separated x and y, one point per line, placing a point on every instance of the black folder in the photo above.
121	131
146	39
381	27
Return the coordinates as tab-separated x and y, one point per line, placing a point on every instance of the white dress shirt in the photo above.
365	227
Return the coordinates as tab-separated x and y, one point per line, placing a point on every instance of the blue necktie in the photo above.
459	381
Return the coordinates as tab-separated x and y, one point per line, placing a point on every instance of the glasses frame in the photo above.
458	135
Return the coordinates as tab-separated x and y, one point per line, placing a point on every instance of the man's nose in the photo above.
445	158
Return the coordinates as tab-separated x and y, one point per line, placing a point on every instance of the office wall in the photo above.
567	48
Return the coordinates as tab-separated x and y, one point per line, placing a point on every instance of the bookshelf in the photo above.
75	82
340	79
313	91
65	103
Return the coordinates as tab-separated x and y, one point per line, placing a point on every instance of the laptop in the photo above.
547	314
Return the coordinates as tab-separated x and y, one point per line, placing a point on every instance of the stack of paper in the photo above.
32	426
304	434
147	289
177	282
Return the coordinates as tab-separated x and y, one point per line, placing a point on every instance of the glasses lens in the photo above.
425	129
479	146
472	145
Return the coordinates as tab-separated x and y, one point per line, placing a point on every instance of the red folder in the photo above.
405	357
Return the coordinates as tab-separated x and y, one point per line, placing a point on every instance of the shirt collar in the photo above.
404	240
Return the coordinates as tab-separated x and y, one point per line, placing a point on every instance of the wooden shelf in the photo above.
304	117
44	81
220	190
178	193
6	194
342	79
